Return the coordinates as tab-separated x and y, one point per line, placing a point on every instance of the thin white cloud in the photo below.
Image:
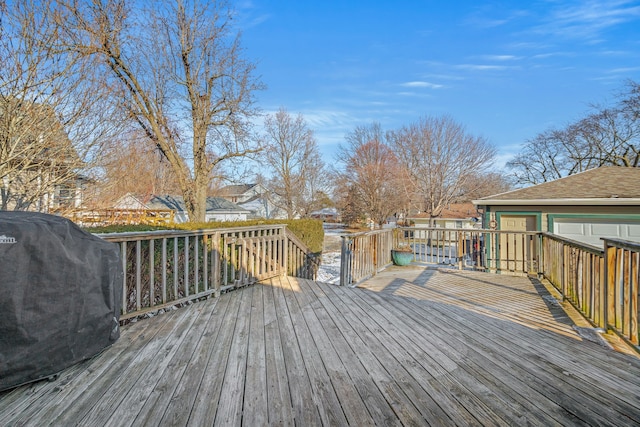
624	70
552	55
617	53
421	84
528	45
326	118
257	20
249	15
413	94
483	67
480	20
588	19
500	57
443	76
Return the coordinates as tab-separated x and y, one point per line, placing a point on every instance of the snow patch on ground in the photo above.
329	271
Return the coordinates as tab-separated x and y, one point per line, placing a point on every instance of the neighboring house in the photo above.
601	202
218	209
326	214
71	194
38	163
457	215
254	198
241	193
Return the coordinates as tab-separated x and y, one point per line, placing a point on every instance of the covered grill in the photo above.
60	296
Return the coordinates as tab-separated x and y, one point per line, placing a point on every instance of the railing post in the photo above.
375	250
610	273
285	251
461	248
216	260
123	254
345	264
540	256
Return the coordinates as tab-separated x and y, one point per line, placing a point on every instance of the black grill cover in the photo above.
60	296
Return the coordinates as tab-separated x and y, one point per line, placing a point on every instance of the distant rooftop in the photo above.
606	182
177	203
236	189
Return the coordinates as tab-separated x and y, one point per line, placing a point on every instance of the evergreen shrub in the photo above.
309	231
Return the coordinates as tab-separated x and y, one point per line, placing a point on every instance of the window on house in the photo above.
65	197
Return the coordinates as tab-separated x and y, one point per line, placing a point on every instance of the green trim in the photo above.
537	214
552	217
486	217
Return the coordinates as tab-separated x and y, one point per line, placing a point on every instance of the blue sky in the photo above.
506	70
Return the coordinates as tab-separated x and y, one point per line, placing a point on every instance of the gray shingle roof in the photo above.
236	189
177	203
605	182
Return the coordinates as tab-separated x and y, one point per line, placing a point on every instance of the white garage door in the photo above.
590	231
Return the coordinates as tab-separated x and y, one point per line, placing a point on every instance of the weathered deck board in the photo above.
511	396
279	399
418	347
303	397
179	407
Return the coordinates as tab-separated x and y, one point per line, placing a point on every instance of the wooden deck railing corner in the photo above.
168	268
601	283
620	296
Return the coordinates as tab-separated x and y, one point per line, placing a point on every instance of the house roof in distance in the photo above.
606	185
464	210
177	203
236	189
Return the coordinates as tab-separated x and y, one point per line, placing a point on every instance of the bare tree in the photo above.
348	201
486	184
53	115
292	156
373	179
442	159
543	159
607	136
178	71
130	166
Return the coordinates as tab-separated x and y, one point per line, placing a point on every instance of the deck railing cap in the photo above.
135	235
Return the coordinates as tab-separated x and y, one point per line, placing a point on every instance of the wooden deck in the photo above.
412	347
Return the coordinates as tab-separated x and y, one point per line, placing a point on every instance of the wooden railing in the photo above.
486	250
299	261
602	284
167	268
105	217
577	271
364	254
621	296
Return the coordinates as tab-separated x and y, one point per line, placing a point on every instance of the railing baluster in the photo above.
205	262
125	293
152	297
164	270
186	266
138	278
196	263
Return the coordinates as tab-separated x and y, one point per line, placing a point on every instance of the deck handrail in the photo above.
621	296
170	267
300	261
603	284
576	270
364	254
